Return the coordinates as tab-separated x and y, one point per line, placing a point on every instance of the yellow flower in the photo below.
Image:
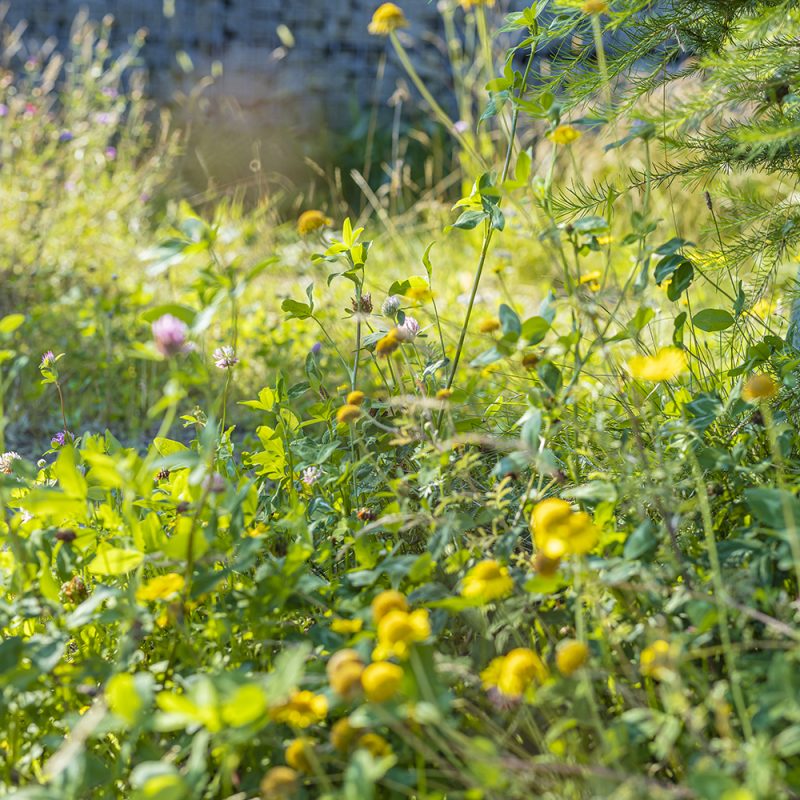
487	581
398	631
375	744
665	365
514	672
559	531
348	413
564	134
387	601
386	346
343	735
387	18
759	387
300	754
280	783
594	7
344	672
302	709
381	681
310	221
571	655
161	587
355	398
593	279
444	394
347	626
655	660
468	4
489	325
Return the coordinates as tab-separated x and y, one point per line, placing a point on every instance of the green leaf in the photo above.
770	506
534	329
115	561
681	280
512	327
470	219
11	322
183	313
711	320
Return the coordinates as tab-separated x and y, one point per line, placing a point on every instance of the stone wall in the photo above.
325	75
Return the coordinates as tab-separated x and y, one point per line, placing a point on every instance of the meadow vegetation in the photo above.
481	485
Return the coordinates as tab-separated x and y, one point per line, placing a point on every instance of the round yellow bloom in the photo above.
375	744
387	601
161	587
355	398
341	657
571	655
381	681
513	673
386	346
489	325
280	783
594	7
300	754
310	221
343	735
665	365
302	709
347	626
348	413
444	394
559	531
398	631
487	581
468	4
387	18
346	679
564	134
656	659
759	387
593	279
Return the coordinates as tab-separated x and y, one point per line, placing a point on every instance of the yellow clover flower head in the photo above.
302	709
343	734
489	325
386	19
381	681
348	413
398	631
279	783
665	365
559	531
313	220
468	4
355	398
347	626
344	673
299	754
161	587
387	601
487	581
564	134
571	655
759	387
388	344
375	744
655	660
513	673
594	7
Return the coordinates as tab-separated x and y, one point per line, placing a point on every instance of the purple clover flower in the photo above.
60	439
311	475
316	348
48	360
111	153
170	335
408	331
65	136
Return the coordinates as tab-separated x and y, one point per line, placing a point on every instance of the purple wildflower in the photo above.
3	110
60	439
316	348
225	357
408	331
48	360
311	475
65	136
170	336
111	153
